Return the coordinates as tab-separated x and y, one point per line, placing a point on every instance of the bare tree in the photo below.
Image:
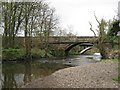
12	19
91	28
101	42
32	18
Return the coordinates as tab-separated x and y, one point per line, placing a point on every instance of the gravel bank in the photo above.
95	75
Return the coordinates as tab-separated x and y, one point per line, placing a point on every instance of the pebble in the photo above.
95	75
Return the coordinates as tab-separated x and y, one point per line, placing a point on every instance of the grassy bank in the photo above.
18	54
117	77
12	54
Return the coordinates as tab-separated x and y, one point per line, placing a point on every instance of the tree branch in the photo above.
96	18
92	29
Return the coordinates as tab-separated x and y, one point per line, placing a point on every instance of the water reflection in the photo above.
0	75
15	75
27	73
19	79
82	59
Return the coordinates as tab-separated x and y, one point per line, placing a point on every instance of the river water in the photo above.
15	75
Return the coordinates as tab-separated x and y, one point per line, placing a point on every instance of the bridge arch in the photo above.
84	50
88	44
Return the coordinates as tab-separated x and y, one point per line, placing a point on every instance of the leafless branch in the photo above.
92	29
96	18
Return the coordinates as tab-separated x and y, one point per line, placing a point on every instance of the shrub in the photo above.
58	52
114	54
37	53
10	53
40	53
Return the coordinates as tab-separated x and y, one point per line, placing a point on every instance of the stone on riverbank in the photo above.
95	75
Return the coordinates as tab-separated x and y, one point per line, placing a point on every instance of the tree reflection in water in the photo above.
14	75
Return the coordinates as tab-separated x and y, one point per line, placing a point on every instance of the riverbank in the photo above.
95	75
19	55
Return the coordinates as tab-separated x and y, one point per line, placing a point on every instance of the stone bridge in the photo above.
70	39
67	42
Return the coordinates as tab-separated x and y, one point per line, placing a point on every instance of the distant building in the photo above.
119	10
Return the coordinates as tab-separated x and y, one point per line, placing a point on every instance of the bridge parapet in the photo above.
86	39
72	39
62	39
57	39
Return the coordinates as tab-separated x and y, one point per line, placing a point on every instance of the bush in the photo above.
114	54
37	53
57	52
40	53
10	53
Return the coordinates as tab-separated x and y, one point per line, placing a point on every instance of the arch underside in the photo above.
84	50
88	44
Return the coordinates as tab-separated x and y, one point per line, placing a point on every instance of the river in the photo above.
15	75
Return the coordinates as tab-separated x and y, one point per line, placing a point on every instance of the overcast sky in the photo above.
78	13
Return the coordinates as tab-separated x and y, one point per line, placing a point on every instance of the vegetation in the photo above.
116	78
114	39
107	41
12	54
29	19
38	20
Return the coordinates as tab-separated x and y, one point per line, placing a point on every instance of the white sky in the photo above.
78	13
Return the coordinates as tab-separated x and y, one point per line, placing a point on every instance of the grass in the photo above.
107	60
116	60
116	78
